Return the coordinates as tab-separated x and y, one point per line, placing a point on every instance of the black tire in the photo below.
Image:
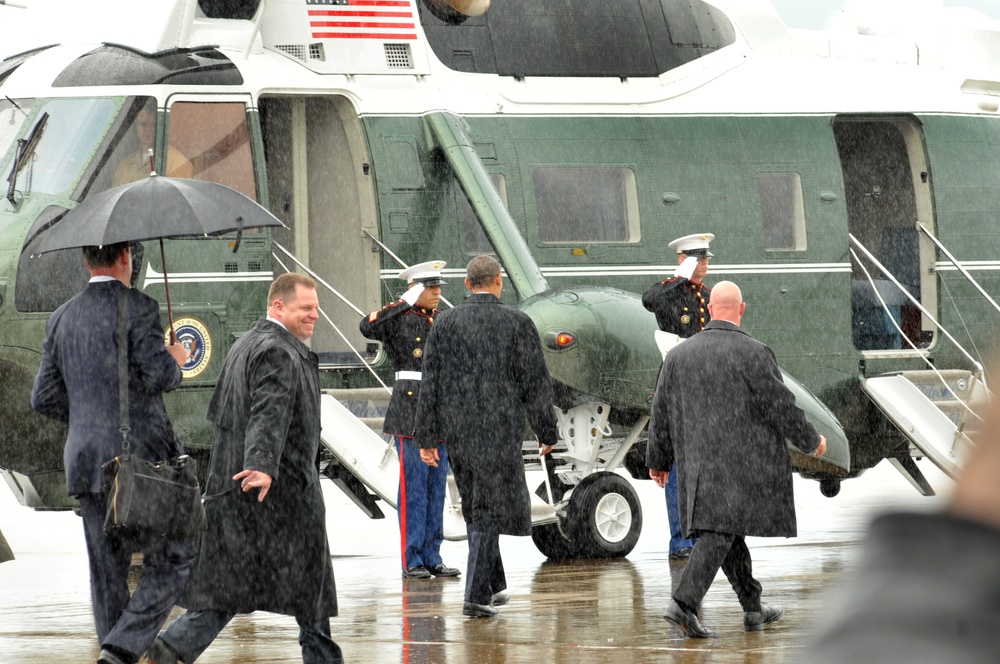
829	488
548	538
550	541
604	516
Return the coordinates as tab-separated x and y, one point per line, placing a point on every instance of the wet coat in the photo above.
483	373
269	556
722	408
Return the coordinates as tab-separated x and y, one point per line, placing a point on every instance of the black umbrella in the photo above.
156	208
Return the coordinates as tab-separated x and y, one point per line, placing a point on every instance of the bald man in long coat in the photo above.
733	467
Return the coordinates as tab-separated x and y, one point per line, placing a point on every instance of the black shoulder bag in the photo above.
148	499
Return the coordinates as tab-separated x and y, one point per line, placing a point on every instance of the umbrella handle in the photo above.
166	287
152	162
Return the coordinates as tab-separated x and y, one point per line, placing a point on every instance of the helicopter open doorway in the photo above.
887	194
319	180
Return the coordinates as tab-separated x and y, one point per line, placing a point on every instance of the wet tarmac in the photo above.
584	612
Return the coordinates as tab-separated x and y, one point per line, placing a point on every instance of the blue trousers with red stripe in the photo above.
420	504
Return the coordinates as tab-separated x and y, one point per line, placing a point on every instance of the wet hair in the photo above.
104	256
482	271
284	286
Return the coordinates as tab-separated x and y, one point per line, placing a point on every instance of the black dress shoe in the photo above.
754	621
441	570
161	653
108	656
687	621
681	554
478	610
499	599
416	572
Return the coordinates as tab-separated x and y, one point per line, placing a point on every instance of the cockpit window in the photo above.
211	141
72	130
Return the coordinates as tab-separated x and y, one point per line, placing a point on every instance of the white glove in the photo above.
411	296
687	267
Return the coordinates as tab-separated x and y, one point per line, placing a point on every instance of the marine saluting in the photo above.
403	328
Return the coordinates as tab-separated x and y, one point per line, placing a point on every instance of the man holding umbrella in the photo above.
77	384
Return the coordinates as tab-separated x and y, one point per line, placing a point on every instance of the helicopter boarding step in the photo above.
934	415
367	467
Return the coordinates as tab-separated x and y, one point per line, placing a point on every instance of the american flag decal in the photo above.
361	19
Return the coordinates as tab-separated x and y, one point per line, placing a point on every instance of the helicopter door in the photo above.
318	178
887	194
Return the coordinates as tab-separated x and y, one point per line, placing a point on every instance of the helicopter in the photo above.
847	179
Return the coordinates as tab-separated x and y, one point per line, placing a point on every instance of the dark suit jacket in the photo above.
403	330
723	409
483	372
272	555
77	382
681	307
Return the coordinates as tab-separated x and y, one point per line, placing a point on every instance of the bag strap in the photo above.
122	372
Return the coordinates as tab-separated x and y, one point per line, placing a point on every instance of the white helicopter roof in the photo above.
384	63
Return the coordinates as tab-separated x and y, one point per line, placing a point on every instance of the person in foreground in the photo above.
927	588
733	468
266	546
403	328
483	372
77	383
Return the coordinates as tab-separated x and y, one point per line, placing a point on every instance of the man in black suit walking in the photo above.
733	467
77	383
483	372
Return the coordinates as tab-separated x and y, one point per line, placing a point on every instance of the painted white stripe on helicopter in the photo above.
659	270
971	266
749	268
154	278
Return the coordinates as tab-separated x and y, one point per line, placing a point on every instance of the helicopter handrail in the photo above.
396	258
978	366
958	266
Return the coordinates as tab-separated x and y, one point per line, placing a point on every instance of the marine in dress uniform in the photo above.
680	303
403	328
681	307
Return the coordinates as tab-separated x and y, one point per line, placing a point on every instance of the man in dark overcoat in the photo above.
483	372
266	546
733	467
77	383
680	305
403	327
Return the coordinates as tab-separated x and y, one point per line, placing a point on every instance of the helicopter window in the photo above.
211	141
782	211
124	155
476	241
586	204
66	143
621	38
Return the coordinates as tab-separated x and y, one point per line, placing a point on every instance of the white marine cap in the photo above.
428	273
693	245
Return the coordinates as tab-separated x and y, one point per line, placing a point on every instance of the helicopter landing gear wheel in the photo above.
604	518
548	538
829	488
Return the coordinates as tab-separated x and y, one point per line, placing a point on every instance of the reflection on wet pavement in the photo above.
582	612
